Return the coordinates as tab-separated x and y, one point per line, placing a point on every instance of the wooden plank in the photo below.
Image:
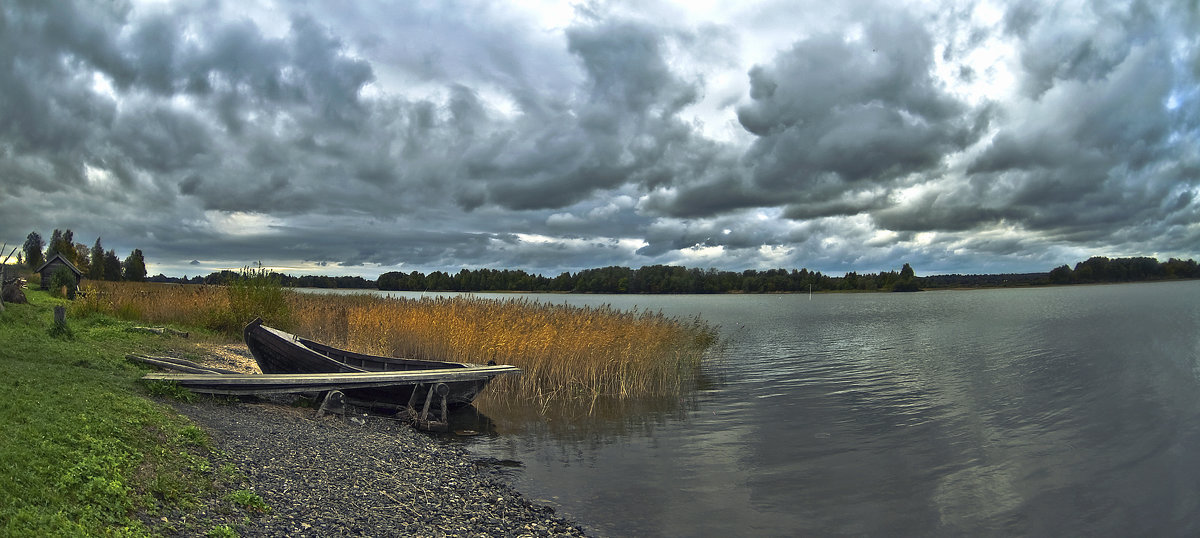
292	383
159	331
182	365
414	376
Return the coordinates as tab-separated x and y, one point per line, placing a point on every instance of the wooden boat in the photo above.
281	353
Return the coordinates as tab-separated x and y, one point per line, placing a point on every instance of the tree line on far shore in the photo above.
675	279
288	281
648	279
95	263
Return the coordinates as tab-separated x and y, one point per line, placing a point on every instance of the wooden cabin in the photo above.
57	260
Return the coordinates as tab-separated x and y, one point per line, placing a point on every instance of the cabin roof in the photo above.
59	256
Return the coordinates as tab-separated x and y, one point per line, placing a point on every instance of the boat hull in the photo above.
279	352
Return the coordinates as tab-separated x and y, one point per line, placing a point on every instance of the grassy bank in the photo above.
85	452
570	356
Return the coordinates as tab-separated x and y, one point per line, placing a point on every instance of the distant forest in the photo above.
675	279
307	281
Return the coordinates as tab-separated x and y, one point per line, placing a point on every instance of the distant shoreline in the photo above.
669	280
737	292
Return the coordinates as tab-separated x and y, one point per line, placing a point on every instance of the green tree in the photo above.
33	250
135	266
95	269
55	244
112	266
82	257
63	242
1060	275
907	280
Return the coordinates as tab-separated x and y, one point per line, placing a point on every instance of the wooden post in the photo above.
60	316
443	391
428	400
3	273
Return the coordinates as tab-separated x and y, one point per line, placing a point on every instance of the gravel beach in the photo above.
354	476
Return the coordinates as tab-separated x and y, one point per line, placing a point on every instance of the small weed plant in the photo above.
222	531
169	389
248	501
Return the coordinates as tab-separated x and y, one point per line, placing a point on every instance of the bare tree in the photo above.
3	272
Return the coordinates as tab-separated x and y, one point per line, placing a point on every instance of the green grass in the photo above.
84	451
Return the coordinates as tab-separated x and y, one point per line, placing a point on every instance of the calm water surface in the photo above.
1054	411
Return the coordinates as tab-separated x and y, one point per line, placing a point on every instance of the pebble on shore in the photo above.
333	476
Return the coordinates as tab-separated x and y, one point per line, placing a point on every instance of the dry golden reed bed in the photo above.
568	354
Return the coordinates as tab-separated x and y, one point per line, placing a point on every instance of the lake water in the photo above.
1046	412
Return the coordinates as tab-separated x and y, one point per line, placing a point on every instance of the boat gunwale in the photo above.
336	354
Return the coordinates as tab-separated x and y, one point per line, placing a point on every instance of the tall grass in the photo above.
223	309
576	356
566	353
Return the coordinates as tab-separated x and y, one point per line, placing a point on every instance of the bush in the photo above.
63	283
257	294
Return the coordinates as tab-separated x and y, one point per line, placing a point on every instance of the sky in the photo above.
356	138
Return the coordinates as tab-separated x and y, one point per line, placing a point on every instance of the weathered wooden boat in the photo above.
370	378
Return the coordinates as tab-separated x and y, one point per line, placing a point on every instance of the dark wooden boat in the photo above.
278	353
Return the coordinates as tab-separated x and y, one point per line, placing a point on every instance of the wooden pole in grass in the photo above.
3	272
3	266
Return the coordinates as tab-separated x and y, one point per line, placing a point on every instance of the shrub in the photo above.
256	294
63	283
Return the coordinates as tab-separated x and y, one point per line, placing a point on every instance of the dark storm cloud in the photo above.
434	136
623	129
231	71
831	112
859	110
46	119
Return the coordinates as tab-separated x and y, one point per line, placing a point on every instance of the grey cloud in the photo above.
624	130
945	210
832	114
714	193
849	203
159	139
862	110
1087	154
1091	154
43	113
1021	16
244	84
1080	44
437	134
734	232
